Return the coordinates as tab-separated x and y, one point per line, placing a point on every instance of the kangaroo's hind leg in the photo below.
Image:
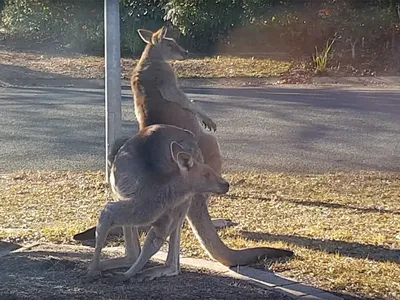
152	244
156	236
114	215
172	265
105	223
132	251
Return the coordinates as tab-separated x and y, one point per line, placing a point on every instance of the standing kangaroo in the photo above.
154	177
159	100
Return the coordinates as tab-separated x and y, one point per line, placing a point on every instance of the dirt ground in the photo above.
52	272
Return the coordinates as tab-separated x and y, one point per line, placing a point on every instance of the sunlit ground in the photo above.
81	66
342	227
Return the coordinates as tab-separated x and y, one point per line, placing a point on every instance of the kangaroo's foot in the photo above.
89	275
116	263
118	277
156	272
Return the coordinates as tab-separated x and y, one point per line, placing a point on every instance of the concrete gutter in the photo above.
260	278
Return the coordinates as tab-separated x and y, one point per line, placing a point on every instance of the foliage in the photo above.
321	58
223	26
204	21
136	15
77	24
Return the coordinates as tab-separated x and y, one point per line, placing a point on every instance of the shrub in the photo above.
293	26
204	22
135	15
321	58
79	25
76	24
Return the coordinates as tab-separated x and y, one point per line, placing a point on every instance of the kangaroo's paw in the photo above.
210	124
156	272
222	223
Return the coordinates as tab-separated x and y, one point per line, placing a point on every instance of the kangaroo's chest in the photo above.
151	108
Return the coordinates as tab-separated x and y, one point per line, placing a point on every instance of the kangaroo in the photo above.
159	100
154	176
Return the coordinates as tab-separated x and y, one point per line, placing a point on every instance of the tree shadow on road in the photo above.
18	75
327	97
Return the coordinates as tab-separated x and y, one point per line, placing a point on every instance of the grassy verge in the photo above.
81	66
342	227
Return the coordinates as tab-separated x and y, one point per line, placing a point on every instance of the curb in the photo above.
367	80
262	279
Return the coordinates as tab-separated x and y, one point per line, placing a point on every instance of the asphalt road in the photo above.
301	129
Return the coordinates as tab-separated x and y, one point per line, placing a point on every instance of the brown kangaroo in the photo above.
159	100
154	177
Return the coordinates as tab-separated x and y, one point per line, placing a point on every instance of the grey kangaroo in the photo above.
159	100
154	176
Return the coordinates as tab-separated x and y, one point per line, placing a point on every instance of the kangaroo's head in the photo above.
198	177
162	46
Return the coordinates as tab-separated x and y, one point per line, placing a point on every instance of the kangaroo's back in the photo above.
143	163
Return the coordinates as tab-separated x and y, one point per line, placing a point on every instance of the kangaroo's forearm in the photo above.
176	95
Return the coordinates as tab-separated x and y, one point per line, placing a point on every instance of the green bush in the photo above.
75	24
135	15
204	22
231	26
79	25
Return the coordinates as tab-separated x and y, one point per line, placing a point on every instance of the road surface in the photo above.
300	129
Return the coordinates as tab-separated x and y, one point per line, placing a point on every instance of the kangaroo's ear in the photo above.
183	159
159	35
164	30
175	148
145	35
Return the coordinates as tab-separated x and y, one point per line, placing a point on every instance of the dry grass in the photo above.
81	66
342	227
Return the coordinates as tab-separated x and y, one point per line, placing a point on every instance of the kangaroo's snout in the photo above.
183	54
224	187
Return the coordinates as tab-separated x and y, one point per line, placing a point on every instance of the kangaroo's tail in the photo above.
200	221
119	142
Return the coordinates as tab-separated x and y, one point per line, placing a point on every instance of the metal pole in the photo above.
112	74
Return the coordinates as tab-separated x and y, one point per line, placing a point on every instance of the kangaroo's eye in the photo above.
207	175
